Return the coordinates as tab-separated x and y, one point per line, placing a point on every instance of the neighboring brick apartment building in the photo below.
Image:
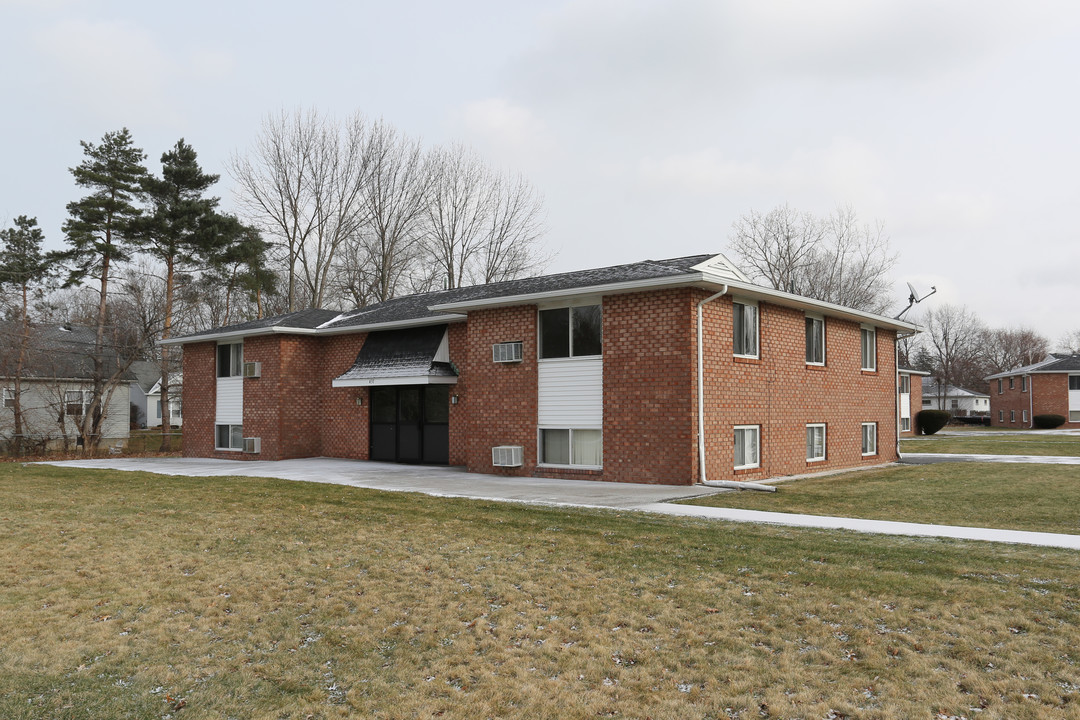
590	374
1050	387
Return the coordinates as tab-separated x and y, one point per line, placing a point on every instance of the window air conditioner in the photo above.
507	352
252	369
506	456
253	445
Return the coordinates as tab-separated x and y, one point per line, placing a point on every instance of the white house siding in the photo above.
42	405
571	393
1074	405
230	401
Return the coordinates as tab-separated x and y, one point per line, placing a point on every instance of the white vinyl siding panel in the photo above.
230	401
571	393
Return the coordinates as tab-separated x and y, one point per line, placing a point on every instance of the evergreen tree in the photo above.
98	234
23	265
183	231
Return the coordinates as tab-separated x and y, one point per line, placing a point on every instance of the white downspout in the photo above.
701	387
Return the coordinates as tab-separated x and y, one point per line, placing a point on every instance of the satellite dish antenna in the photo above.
914	298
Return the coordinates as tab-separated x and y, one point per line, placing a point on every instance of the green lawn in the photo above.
998	495
991	443
143	596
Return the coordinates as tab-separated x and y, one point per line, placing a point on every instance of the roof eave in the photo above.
280	330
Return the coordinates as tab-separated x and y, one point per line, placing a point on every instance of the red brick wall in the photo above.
199	395
649	400
344	432
783	394
1049	394
501	405
458	339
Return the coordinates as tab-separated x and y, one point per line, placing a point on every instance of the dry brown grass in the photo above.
131	595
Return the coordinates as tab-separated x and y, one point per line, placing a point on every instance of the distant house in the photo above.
146	375
663	371
153	402
1050	387
910	397
955	400
57	388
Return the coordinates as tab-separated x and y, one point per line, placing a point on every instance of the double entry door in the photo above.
410	424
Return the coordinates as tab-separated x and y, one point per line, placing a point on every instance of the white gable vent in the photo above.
506	352
252	445
253	369
506	456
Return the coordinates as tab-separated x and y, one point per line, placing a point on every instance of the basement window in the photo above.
869	439
747	446
815	442
229	437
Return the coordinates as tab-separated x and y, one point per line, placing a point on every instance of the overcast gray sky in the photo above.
649	127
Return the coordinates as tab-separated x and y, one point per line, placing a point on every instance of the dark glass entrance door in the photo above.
410	424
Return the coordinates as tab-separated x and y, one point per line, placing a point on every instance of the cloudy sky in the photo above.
649	127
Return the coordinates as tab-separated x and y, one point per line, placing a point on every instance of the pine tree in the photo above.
22	264
185	232
98	234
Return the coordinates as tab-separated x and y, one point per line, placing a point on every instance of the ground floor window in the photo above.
815	442
74	403
1023	416
869	438
9	398
1001	416
905	424
747	446
230	437
576	446
1012	416
1074	416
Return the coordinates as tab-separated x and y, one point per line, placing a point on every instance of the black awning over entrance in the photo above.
412	356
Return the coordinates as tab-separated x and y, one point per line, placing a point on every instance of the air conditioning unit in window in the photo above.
506	352
253	445
252	369
506	456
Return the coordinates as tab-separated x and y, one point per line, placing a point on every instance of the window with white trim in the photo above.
1023	383
230	360
1001	416
157	411
905	424
745	328
1023	416
229	437
1012	416
869	347
869	439
9	398
927	402
954	403
815	340
571	332
1074	382
1074	416
75	403
1012	383
747	446
580	447
905	384
815	442
999	387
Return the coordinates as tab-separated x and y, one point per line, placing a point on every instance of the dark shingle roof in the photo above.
401	353
60	352
1057	362
146	374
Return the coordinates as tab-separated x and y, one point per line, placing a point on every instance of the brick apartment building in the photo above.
591	374
1050	387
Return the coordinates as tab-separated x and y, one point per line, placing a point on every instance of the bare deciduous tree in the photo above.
836	259
1008	348
952	337
1071	343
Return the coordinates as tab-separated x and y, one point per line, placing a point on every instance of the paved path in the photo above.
455	482
929	458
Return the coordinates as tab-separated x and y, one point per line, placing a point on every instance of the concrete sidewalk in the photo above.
456	482
930	458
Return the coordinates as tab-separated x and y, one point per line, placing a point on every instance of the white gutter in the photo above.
285	330
701	387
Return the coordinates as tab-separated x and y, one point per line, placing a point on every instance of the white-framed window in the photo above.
1074	382
1074	416
577	447
174	406
815	442
1001	416
905	384
747	446
869	438
75	403
745	330
1012	383
229	437
954	403
157	410
9	397
230	360
1023	416
1012	416
905	424
815	340
571	332
869	347
927	402
999	387
1023	383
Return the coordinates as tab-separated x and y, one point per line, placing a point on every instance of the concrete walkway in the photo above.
456	482
930	458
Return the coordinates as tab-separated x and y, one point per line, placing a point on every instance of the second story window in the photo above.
869	348
230	360
571	332
815	340
745	329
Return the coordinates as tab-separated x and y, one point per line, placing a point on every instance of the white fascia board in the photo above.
534	298
403	380
905	371
281	330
